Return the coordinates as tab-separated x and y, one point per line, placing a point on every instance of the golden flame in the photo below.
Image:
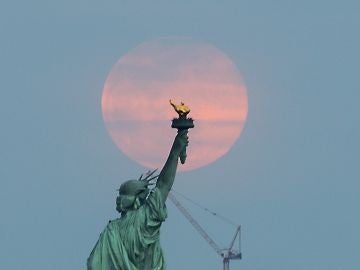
181	109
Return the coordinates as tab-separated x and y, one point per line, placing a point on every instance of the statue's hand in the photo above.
180	142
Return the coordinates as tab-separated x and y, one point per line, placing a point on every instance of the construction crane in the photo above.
228	253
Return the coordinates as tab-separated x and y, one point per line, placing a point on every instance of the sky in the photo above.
291	180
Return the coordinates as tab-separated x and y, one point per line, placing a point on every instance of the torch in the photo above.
182	123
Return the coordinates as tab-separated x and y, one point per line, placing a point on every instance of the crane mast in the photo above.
227	254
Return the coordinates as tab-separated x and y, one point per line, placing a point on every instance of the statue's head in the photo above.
133	193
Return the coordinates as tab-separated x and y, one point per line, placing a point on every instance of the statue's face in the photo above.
132	193
125	202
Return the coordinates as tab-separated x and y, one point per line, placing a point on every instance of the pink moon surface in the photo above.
136	109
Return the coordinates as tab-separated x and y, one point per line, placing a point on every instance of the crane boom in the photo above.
195	224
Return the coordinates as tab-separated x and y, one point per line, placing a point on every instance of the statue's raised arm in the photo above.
167	174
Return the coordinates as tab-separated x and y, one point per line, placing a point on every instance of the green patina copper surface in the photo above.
131	242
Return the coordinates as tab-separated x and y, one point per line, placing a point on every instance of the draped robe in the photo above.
131	242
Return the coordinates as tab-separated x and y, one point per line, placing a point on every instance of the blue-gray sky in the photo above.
291	180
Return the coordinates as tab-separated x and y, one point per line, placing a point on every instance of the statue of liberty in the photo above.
131	242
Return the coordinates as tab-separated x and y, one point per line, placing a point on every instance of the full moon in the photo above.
136	93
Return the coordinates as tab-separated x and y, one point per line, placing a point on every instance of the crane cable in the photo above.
225	219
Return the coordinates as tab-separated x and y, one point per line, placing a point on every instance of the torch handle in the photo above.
182	124
183	152
183	156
